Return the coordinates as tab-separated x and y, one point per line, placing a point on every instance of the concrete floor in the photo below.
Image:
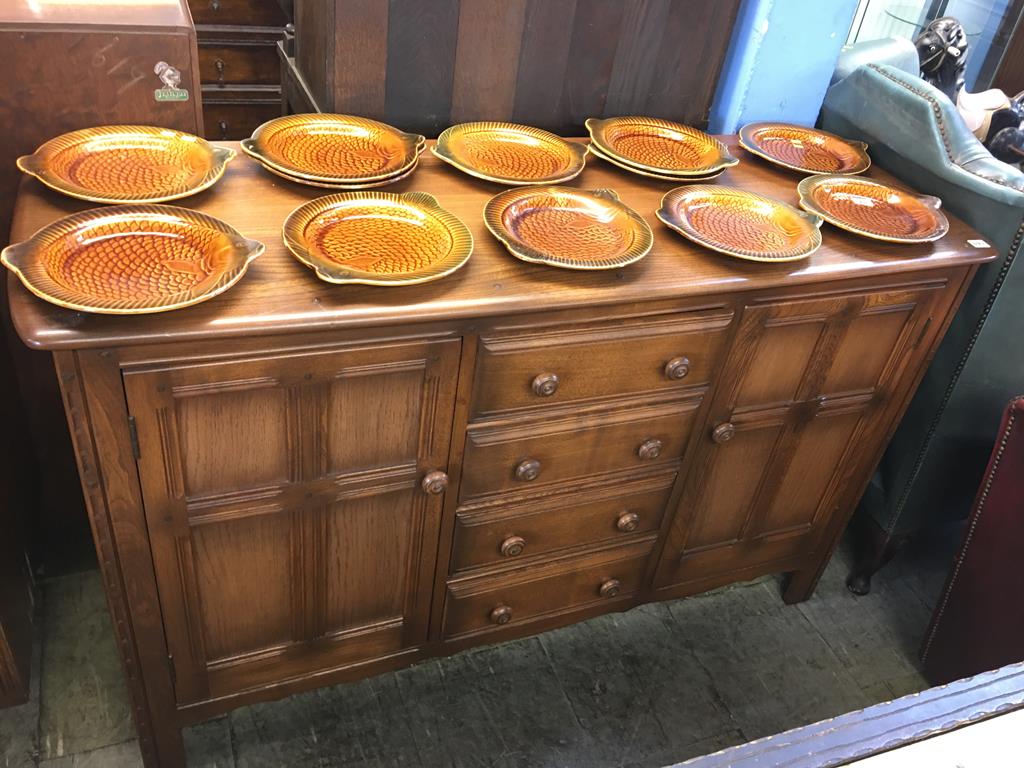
650	687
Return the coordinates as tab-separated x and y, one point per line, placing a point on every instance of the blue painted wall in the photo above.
780	60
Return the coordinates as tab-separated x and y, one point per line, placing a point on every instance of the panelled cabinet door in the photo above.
293	504
793	404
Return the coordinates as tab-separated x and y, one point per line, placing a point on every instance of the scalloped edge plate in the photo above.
597	127
748	142
596	152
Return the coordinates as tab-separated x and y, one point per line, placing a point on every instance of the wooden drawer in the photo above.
520	456
537	368
256	13
481	605
239	63
231	113
511	533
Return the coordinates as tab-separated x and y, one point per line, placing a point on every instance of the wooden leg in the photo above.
800	584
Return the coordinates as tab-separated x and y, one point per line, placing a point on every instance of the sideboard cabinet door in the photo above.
794	417
293	503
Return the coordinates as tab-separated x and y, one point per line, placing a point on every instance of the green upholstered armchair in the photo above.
932	467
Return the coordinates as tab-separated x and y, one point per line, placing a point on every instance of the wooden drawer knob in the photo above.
677	368
723	433
545	384
219	66
501	615
513	546
649	449
528	470
611	588
435	482
628	522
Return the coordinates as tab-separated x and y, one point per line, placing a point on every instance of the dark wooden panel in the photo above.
313	46
544	56
236	63
487	59
596	30
636	58
360	57
233	112
266	13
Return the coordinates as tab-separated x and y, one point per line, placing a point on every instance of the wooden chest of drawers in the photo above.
297	483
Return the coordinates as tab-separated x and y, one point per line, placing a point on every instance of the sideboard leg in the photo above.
800	585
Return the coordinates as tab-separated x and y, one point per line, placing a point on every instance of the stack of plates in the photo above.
659	149
339	152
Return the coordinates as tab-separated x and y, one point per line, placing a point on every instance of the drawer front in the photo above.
532	369
537	453
253	13
487	605
222	64
231	121
522	532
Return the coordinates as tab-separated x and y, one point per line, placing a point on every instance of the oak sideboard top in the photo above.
280	295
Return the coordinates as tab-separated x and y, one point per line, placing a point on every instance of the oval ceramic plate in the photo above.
804	149
335	149
873	209
567	227
131	259
377	238
740	223
674	179
510	154
342	187
659	146
127	164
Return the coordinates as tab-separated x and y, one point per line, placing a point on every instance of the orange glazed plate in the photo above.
649	174
342	187
510	154
804	149
127	164
377	238
131	259
870	208
740	223
335	149
659	146
568	227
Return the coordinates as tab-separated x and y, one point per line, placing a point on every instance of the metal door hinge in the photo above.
134	434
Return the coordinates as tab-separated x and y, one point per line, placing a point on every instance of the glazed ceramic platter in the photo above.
807	150
568	227
650	174
659	146
353	186
132	259
873	209
377	238
127	164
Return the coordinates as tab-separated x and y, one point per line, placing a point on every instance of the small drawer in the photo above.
520	532
525	455
223	64
253	13
229	115
489	604
534	368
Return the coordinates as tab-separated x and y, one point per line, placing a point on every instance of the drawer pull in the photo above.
545	384
215	5
628	522
501	615
219	66
611	588
677	368
649	449
435	483
528	470
223	130
513	546
723	433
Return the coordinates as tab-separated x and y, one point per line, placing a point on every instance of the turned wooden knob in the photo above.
628	522
611	588
649	449
677	368
501	615
435	482
723	433
513	546
528	470
545	384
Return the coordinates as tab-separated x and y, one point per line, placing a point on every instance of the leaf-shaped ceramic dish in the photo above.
343	187
740	223
873	209
807	150
659	146
377	238
131	259
334	149
510	154
639	171
127	164
568	227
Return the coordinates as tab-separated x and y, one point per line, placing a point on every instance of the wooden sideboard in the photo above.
297	484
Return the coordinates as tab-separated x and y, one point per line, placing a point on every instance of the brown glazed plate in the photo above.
740	223
343	187
649	174
510	154
127	164
807	150
873	209
568	227
131	259
334	149
377	238
659	146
